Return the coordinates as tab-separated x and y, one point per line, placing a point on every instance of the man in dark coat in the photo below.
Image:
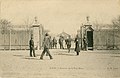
77	44
31	45
61	42
51	43
54	43
46	45
68	42
85	42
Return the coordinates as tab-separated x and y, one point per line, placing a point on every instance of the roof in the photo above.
89	28
64	34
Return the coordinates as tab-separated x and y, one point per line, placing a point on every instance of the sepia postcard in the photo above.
59	38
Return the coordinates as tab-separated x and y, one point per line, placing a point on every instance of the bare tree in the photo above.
5	27
116	25
116	22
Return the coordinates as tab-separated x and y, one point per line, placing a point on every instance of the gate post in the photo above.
88	33
36	34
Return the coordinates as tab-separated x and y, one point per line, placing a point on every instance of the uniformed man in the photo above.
85	42
31	45
77	44
68	42
46	45
51	43
54	43
61	42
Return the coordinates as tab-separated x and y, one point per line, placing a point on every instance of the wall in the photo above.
107	39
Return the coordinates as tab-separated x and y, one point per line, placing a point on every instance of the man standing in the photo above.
31	45
85	41
51	43
66	40
61	42
46	45
69	43
77	44
54	43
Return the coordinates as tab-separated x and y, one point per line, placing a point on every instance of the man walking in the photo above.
31	45
46	45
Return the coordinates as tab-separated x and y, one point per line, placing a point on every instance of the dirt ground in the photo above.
90	64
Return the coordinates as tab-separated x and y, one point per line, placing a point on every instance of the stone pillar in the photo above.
36	34
88	33
41	35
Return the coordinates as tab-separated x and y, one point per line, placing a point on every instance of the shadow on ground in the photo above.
65	54
18	55
31	58
115	56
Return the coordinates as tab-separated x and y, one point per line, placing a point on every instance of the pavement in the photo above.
89	64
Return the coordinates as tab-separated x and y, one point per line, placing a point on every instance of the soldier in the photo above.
51	43
85	43
68	42
77	45
31	45
54	43
46	45
61	42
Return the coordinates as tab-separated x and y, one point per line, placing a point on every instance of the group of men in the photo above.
53	43
48	43
67	42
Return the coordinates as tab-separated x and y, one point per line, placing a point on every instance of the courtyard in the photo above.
89	64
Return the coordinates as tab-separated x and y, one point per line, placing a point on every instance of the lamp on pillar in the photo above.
87	19
88	22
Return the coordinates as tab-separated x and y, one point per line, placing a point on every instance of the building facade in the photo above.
18	38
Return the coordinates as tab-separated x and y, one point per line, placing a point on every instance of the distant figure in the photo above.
77	45
54	43
46	45
68	42
31	45
51	43
85	43
61	42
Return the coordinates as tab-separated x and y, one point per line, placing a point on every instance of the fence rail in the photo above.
107	39
19	40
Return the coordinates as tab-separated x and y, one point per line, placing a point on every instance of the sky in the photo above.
59	15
